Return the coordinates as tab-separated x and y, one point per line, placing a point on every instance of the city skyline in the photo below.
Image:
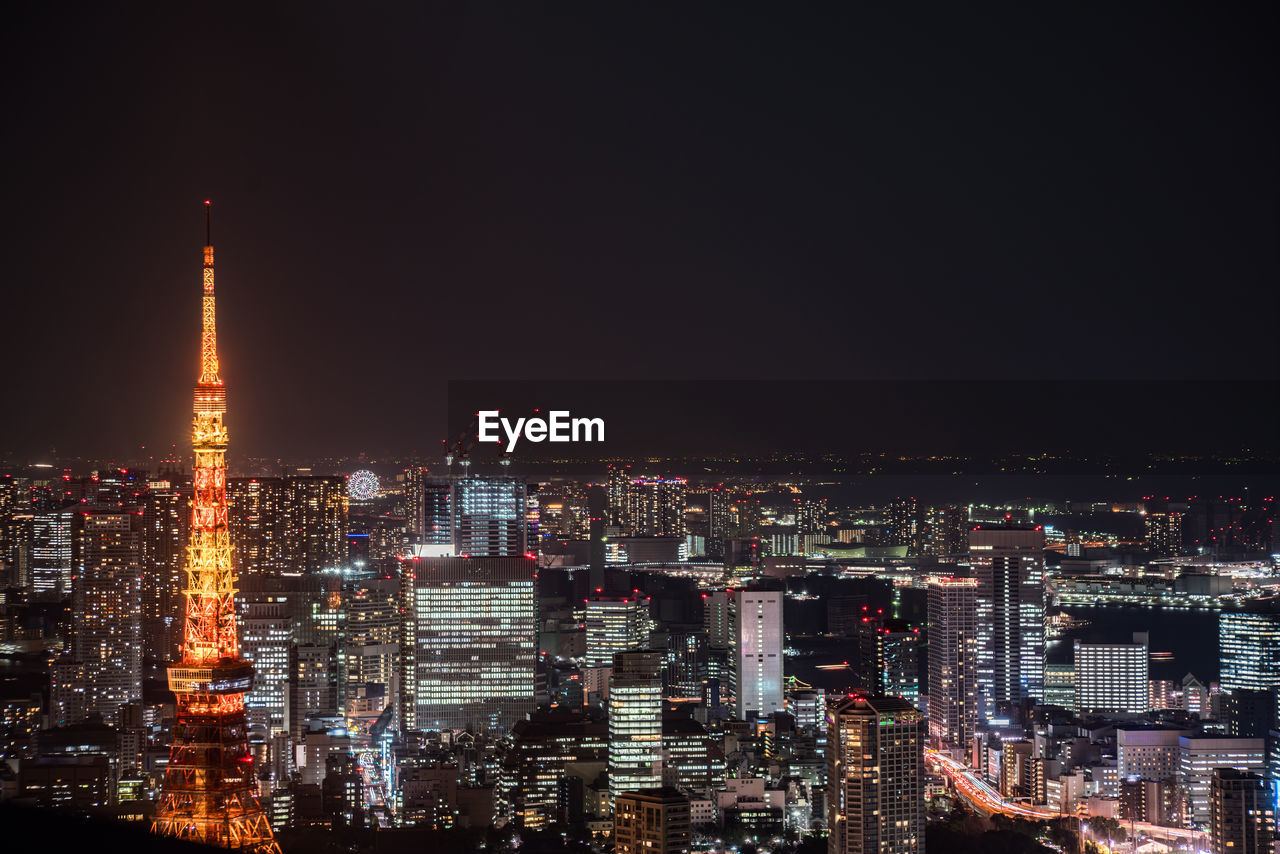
916	510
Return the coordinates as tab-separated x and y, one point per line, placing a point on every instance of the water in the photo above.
1190	635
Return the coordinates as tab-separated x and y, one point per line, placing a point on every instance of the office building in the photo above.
51	567
635	721
1198	756
264	632
468	642
489	517
758	636
889	659
656	507
1009	565
875	777
540	782
1148	752
613	625
953	659
1249	650
1112	678
428	507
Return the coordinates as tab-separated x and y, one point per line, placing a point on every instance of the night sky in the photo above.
406	196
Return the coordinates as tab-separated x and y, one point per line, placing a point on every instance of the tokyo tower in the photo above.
210	792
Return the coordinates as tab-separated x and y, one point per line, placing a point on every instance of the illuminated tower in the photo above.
210	792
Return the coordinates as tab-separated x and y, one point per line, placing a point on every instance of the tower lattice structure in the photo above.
210	791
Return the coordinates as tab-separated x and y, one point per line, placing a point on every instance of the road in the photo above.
982	796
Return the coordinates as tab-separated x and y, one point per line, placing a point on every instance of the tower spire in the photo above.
209	337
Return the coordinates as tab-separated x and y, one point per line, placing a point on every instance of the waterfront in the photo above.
1190	634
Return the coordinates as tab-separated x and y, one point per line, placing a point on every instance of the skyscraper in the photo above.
905	523
489	517
656	506
468	642
875	777
265	629
164	532
1164	533
107	607
210	791
758	636
1009	565
953	659
615	624
635	722
428	507
1249	650
257	524
51	568
315	522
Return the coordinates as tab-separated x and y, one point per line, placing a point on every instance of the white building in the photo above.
1112	678
757	652
1199	756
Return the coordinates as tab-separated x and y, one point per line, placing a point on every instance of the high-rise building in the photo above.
257	524
656	506
468	642
315	523
875	777
635	721
685	667
618	485
1164	533
1249	650
652	821
1009	565
758	636
264	627
692	759
164	533
889	652
1242	813
371	647
489	517
107	607
904	523
1198	756
615	624
1112	678
715	619
291	524
947	531
428	507
537	779
953	659
51	567
210	792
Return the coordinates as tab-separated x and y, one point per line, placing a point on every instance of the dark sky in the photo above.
420	192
